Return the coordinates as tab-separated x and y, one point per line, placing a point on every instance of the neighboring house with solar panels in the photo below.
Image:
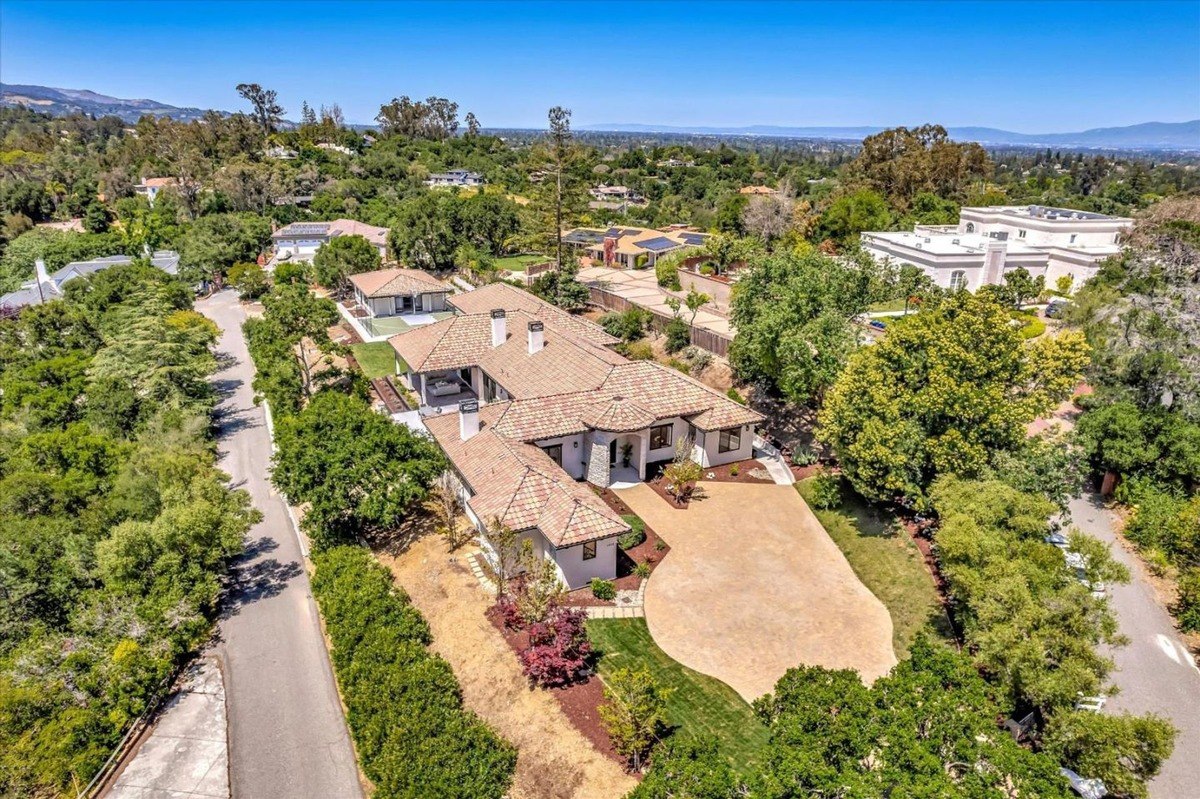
300	241
631	247
989	241
534	408
46	287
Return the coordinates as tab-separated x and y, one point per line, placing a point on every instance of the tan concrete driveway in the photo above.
753	586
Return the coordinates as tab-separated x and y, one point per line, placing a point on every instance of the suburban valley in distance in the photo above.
418	433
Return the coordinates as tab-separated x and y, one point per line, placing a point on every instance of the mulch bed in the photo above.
626	580
579	701
724	474
354	338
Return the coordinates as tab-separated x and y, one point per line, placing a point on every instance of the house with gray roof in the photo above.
46	287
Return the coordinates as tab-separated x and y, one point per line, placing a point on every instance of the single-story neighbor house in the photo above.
388	292
46	287
300	241
631	247
455	177
530	403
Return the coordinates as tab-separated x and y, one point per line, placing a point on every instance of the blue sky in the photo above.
1030	67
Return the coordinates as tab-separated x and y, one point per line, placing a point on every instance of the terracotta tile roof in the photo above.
666	392
158	183
562	365
352	227
511	298
616	414
390	282
522	486
451	343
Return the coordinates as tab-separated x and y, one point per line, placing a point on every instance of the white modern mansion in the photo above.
300	241
987	242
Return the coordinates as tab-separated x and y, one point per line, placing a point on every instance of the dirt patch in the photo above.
555	760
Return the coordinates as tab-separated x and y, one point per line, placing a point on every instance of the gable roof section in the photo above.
522	486
390	282
452	343
510	298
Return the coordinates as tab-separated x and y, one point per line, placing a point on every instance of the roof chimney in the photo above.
537	337
468	418
499	327
39	267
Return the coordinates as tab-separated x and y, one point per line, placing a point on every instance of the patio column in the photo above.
643	452
598	471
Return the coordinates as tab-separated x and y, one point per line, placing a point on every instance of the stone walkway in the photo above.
186	754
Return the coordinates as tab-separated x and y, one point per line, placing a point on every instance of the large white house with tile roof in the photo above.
531	404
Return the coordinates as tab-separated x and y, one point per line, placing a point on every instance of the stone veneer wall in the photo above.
598	473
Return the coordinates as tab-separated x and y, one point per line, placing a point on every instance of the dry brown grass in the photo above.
555	760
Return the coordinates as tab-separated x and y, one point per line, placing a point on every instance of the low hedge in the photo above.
636	534
404	705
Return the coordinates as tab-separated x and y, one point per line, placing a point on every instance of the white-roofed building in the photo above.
989	241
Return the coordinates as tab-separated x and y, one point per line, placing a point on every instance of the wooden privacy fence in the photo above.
702	337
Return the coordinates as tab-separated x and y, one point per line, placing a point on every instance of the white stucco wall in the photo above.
679	430
576	572
708	444
572	453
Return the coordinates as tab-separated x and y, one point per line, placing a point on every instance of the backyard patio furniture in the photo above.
443	388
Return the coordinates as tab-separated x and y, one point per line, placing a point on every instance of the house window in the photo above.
490	389
958	280
660	436
555	453
1073	235
589	550
1020	234
731	440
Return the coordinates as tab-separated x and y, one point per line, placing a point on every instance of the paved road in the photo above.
287	734
1155	672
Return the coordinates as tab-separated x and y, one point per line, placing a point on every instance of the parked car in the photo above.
1057	539
1085	787
1055	308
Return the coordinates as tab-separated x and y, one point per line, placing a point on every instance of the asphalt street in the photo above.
1155	672
287	734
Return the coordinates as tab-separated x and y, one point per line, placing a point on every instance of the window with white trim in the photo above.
730	441
661	436
958	280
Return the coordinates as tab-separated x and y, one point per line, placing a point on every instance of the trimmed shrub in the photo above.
826	490
559	648
804	456
603	589
638	351
636	534
1187	606
642	570
404	705
666	272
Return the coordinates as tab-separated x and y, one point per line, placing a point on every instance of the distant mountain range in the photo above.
1147	136
64	102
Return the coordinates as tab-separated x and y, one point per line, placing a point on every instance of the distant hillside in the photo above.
1148	136
64	102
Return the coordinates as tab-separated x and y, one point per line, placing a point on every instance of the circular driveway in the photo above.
753	586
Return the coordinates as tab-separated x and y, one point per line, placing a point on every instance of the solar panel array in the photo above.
693	238
306	228
658	244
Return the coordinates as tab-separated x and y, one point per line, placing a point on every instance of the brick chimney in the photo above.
537	337
499	327
468	418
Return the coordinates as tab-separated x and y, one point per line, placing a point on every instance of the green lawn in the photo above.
888	563
700	705
517	263
376	358
887	305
